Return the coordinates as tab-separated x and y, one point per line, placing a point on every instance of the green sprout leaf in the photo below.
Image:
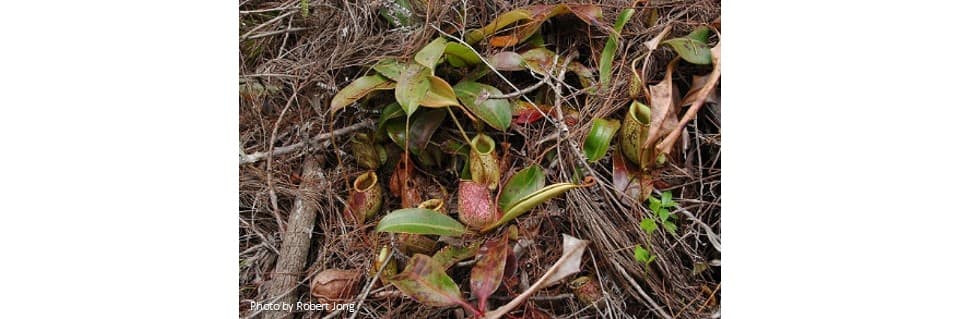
667	199
654	203
598	141
523	183
420	221
358	89
648	225
606	57
663	214
670	227
475	96
691	50
640	254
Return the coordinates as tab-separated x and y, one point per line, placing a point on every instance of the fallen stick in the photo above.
256	157
296	241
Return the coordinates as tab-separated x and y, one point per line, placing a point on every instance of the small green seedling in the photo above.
660	208
641	255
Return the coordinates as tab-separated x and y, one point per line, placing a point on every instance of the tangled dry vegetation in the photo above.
297	163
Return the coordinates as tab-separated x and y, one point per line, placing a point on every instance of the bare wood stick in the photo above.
256	157
521	92
296	241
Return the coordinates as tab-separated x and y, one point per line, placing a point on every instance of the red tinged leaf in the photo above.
486	275
403	184
526	113
425	281
630	180
366	198
589	13
450	255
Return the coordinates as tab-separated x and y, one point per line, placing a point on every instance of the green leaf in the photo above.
691	50
456	61
412	87
528	202
475	96
422	127
523	183
648	225
667	199
463	53
654	204
440	94
663	214
425	281
389	112
670	227
606	57
539	60
640	254
450	255
430	54
598	141
498	23
390	68
358	89
420	221
486	275
701	34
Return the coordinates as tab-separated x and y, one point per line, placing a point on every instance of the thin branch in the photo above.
256	157
521	92
650	302
711	236
373	280
271	21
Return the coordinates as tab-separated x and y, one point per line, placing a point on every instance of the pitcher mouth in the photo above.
640	112
483	143
433	204
365	182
